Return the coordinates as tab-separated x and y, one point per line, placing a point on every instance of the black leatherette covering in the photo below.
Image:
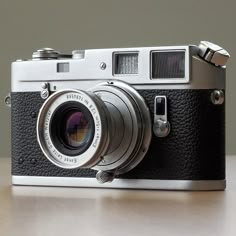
194	149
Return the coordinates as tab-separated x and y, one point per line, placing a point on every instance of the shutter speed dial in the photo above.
49	54
45	53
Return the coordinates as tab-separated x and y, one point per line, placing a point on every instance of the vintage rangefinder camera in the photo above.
150	118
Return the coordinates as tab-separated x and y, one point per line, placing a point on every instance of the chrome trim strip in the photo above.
121	183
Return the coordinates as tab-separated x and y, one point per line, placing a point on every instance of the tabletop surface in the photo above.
109	212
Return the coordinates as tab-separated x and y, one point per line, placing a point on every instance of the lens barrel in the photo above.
107	128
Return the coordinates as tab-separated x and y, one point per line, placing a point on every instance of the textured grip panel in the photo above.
194	149
27	157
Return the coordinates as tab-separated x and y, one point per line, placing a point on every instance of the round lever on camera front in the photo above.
213	53
161	128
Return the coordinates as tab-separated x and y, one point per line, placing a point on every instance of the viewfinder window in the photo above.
168	65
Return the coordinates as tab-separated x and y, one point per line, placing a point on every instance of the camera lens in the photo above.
107	128
72	128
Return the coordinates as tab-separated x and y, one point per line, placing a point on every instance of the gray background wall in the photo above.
67	25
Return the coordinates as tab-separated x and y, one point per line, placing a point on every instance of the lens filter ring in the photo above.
72	129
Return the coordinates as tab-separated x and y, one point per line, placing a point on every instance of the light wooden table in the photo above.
46	211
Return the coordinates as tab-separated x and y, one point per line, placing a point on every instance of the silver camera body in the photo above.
115	118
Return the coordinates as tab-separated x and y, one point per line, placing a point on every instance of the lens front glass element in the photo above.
77	129
72	128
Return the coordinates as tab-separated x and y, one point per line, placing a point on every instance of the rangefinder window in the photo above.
125	63
168	64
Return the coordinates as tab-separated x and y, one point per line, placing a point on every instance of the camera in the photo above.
141	118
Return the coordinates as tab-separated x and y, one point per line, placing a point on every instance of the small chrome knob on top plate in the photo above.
45	53
78	54
213	53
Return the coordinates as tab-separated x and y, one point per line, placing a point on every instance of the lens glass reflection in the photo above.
72	128
77	129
